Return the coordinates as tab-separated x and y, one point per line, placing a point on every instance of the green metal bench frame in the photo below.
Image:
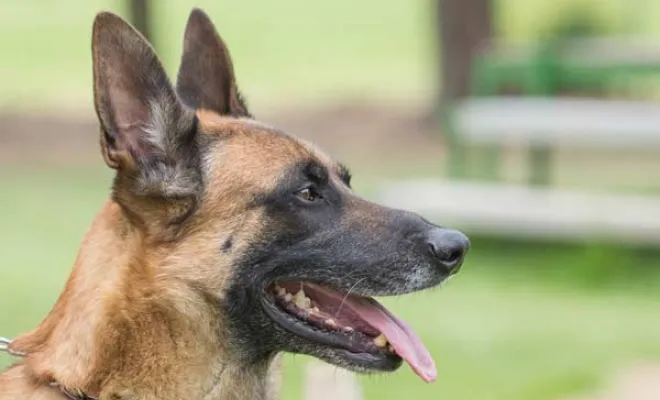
545	70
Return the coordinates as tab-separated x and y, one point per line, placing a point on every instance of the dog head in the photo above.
264	226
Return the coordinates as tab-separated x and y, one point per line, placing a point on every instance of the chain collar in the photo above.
4	346
69	394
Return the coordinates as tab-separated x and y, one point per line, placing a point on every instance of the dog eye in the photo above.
309	194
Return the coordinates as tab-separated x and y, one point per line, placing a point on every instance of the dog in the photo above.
225	242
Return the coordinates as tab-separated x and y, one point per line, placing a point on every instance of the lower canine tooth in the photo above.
288	297
380	340
330	322
281	291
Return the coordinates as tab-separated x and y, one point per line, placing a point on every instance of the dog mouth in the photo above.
357	328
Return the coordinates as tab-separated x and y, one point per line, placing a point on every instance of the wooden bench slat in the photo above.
550	121
510	210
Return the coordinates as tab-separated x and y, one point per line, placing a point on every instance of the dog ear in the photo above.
147	133
206	76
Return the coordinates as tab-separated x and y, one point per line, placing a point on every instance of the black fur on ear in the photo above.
206	77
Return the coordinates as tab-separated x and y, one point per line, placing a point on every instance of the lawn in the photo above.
291	49
495	333
287	51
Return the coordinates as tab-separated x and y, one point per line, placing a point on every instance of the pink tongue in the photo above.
402	338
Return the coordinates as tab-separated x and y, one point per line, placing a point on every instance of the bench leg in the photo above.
456	149
457	160
540	164
491	162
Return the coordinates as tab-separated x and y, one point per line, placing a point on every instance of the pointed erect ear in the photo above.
143	123
206	76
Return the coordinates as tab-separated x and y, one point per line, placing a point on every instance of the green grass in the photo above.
292	50
495	333
287	51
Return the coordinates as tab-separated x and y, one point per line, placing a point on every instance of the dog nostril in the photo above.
454	256
449	256
448	247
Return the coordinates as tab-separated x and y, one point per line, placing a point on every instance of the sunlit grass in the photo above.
290	51
285	51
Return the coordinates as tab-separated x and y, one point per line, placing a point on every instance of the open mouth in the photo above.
358	327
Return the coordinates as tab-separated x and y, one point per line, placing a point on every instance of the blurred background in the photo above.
534	126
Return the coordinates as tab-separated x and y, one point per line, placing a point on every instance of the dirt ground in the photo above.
641	382
363	133
376	140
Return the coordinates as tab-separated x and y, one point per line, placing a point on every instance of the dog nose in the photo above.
448	247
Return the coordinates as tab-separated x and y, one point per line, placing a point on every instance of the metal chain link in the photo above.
4	347
4	344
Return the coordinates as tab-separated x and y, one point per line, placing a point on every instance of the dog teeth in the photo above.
280	291
380	340
330	322
348	329
301	300
288	296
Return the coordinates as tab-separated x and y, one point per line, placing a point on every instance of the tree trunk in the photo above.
462	26
139	15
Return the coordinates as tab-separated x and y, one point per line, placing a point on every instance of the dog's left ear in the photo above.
206	77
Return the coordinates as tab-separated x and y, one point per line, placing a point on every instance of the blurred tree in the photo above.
140	17
462	26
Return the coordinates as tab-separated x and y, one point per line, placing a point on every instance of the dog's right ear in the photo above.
206	77
140	114
147	133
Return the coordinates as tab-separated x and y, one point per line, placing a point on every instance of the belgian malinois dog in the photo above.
224	243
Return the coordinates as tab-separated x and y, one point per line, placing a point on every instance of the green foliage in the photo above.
577	21
521	21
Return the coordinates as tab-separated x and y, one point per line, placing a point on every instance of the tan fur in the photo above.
128	322
140	316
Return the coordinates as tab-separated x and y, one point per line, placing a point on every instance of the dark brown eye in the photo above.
309	194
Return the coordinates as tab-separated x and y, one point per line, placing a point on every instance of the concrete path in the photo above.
641	382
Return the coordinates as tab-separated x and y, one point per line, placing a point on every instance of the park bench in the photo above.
541	73
541	121
536	213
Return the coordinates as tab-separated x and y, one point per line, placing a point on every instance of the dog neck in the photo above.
117	330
